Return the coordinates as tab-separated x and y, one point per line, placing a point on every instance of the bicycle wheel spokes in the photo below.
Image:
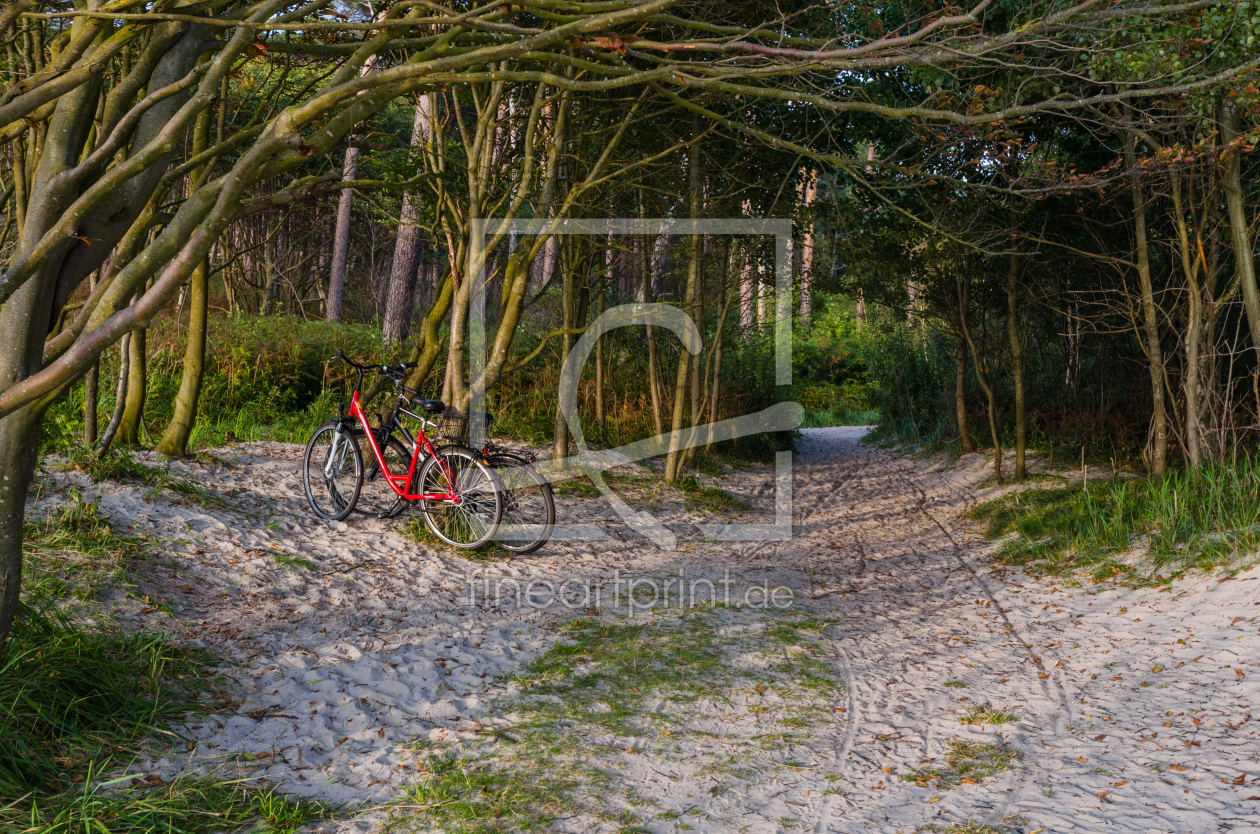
471	517
332	473
529	512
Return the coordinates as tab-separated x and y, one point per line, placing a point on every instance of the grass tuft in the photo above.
968	762
986	714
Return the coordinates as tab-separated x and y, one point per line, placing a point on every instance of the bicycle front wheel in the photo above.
332	472
470	518
529	510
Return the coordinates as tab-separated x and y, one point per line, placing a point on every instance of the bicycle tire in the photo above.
529	508
331	490
472	521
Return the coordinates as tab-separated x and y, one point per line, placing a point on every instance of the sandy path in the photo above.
345	664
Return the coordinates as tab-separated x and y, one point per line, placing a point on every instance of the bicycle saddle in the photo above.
430	406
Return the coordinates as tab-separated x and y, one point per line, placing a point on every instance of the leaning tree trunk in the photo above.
133	411
19	436
174	442
1240	238
1150	314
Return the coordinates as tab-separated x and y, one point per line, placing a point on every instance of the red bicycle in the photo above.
459	495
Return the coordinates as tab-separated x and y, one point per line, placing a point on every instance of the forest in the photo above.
1019	229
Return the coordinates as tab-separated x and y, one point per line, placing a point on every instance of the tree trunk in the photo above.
673	458
174	442
1240	239
133	411
569	262
120	395
1017	369
19	452
402	274
960	395
1194	325
1154	353
988	393
90	384
654	382
341	238
599	352
807	249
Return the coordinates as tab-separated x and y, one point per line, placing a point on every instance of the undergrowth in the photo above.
1184	521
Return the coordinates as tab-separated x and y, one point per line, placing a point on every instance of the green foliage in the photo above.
1195	520
911	375
265	379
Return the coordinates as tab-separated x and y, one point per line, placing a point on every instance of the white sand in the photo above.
338	668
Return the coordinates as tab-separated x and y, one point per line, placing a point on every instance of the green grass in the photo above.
966	760
954	683
194	805
74	553
463	795
78	703
827	417
986	714
1189	521
73	698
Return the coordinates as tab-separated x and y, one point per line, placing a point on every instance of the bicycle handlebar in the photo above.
395	371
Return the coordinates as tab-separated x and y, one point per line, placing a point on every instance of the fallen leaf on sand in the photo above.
967	780
1100	738
938	799
1179	767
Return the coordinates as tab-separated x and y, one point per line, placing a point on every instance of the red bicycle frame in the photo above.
400	483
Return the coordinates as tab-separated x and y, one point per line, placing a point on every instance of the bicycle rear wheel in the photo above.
471	520
332	472
529	510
